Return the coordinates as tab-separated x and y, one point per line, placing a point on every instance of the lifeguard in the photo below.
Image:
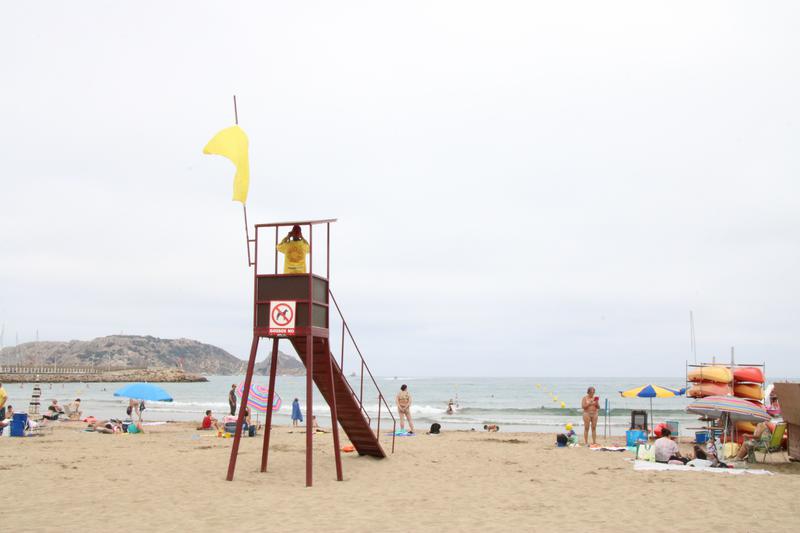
294	248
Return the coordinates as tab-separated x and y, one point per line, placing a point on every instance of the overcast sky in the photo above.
522	188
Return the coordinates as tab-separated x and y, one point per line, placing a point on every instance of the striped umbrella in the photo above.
736	409
652	391
258	398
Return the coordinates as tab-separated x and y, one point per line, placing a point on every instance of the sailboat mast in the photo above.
692	341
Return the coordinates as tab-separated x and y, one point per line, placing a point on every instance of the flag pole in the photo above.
244	206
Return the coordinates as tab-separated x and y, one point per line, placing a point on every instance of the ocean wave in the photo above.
566	411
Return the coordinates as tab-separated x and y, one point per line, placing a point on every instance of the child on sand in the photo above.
209	422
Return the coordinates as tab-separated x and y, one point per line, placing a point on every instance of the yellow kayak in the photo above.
718	374
748	390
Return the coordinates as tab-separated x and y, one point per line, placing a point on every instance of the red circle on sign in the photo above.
282	314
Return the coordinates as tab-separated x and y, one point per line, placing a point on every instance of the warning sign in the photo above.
281	317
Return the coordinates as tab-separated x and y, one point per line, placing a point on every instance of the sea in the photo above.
517	404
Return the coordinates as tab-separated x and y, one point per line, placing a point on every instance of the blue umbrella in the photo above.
144	391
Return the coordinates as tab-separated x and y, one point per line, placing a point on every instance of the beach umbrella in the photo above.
652	391
144	391
734	409
258	398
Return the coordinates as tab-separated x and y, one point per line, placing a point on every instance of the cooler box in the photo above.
633	436
700	437
18	423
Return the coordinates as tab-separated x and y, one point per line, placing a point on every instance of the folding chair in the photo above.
775	444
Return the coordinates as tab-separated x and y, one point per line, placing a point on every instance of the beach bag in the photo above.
561	440
646	452
435	427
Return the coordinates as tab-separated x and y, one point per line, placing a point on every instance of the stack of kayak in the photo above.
712	380
748	382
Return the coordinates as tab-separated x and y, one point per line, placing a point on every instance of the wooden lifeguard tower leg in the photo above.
273	368
245	396
335	422
309	409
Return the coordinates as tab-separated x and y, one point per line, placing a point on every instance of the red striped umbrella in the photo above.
258	398
737	409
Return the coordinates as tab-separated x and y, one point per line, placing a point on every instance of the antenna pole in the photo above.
244	207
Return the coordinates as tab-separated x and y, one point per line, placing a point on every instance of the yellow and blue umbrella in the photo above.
652	391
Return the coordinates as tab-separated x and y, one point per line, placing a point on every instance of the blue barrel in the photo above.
18	423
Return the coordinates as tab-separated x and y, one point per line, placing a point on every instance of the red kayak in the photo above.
749	374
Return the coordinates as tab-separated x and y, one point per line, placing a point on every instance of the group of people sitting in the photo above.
54	412
209	422
667	451
72	411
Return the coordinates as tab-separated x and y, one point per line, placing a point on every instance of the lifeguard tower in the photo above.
297	307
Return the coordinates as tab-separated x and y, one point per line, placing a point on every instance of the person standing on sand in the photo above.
591	409
403	401
232	400
297	415
134	409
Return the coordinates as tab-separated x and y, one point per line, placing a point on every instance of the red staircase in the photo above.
351	413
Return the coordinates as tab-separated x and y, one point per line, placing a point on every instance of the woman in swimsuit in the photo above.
591	408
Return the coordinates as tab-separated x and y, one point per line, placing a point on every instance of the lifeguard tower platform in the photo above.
299	308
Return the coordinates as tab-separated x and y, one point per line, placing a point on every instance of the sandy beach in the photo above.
172	479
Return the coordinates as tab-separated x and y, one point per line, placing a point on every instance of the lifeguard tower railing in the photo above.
313	297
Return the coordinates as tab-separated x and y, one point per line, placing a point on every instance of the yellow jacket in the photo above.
295	252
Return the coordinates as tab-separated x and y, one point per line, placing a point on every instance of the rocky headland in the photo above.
123	358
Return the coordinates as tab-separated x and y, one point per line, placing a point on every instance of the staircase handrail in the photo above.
381	398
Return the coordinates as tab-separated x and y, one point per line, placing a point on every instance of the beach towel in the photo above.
609	449
401	433
647	465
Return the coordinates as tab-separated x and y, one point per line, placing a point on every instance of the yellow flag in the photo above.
232	143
